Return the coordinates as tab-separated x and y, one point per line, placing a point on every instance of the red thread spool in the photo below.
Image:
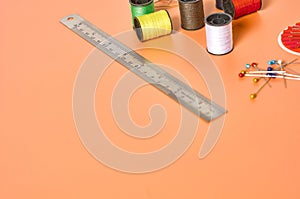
239	8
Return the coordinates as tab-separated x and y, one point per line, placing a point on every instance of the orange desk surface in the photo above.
257	155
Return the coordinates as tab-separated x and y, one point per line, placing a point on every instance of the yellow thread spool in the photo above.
153	25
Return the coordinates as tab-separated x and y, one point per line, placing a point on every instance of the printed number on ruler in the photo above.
150	72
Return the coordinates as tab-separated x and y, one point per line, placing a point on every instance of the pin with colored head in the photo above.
256	80
272	62
242	74
254	95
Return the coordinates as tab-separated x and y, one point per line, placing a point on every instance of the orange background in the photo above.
41	154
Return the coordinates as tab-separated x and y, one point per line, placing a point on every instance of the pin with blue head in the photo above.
272	62
271	74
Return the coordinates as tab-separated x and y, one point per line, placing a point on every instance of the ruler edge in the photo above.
221	110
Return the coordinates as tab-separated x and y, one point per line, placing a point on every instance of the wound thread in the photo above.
191	14
153	25
219	33
239	8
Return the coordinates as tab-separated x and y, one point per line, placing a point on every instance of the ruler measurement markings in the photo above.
148	71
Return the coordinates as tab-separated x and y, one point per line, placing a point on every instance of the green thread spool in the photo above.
141	7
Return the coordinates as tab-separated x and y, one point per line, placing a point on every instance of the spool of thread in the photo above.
219	33
141	7
191	14
153	25
239	8
219	4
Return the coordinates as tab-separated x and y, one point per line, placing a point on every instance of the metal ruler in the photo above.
153	74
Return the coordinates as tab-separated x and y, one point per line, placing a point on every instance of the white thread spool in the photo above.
219	33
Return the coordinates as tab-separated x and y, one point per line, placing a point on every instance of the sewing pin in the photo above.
256	80
281	68
254	95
